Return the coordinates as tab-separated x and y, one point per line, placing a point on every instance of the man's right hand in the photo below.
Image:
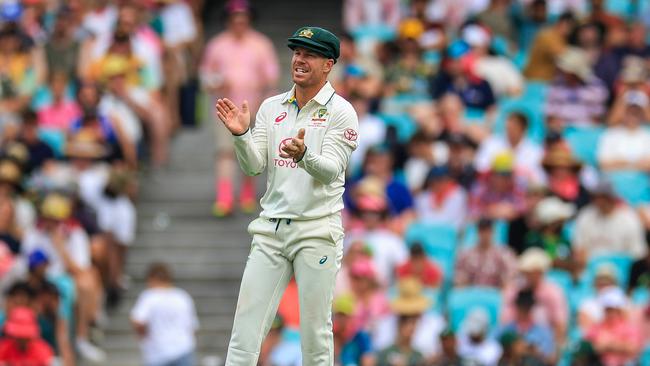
236	120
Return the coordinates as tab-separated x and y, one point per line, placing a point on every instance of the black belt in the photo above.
278	221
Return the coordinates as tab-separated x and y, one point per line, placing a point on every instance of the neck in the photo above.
305	94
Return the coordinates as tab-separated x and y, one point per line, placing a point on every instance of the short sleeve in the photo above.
79	248
141	310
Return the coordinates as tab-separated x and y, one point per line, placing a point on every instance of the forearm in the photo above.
249	157
323	169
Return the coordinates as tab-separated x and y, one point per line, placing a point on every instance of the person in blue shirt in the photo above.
352	346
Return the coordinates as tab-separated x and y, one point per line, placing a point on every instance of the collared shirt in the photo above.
580	105
313	187
492	267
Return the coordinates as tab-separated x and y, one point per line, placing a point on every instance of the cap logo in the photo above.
307	33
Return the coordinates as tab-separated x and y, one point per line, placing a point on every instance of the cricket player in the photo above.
304	137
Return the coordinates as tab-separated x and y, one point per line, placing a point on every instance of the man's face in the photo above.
309	68
239	23
514	130
128	19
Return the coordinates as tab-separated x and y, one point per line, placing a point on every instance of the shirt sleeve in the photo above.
79	248
140	311
339	143
251	147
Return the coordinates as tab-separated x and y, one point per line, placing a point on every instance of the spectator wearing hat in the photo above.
421	267
67	246
457	77
474	342
563	176
354	251
591	310
519	227
548	45
411	303
550	214
626	146
352	346
633	78
576	96
516	351
607	226
617	339
388	249
550	307
500	195
449	355
370	300
165	320
239	62
527	154
443	201
21	344
408	75
486	263
278	352
538	336
502	75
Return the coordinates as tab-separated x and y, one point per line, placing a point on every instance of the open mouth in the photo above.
300	70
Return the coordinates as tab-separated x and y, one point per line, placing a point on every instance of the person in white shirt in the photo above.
607	226
473	341
304	139
528	155
371	127
444	201
165	320
627	146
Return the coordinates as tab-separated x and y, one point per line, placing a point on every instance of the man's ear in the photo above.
329	64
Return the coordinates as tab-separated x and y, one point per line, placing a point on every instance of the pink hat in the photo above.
237	6
21	323
371	203
364	268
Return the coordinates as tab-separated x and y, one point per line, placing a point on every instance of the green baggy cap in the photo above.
316	39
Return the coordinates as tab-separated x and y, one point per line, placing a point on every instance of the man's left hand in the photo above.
295	149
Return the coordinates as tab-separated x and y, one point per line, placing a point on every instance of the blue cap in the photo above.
11	11
457	49
36	258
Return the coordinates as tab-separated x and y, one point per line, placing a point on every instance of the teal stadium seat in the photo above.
631	186
622	8
641	296
531	104
622	263
439	243
584	142
403	124
462	301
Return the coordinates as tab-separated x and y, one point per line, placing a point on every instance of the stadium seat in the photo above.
583	142
403	124
55	139
461	301
562	279
633	187
621	262
439	243
622	8
644	359
499	236
474	116
531	107
641	296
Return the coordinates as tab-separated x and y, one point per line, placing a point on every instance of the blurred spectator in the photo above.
401	353
576	96
499	196
529	20
443	201
21	344
519	227
549	44
354	251
226	69
585	355
53	326
497	17
409	74
608	226
516	351
351	61
599	14
165	320
527	154
457	77
627	146
591	309
550	215
422	268
388	249
371	303
57	110
424	152
38	152
67	246
632	83
487	263
278	352
499	71
100	19
18	78
359	14
449	356
370	126
538	337
640	272
62	51
589	37
411	303
563	176
461	167
475	344
616	338
551	307
352	346
20	215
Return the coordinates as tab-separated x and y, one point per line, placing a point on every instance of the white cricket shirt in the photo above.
313	187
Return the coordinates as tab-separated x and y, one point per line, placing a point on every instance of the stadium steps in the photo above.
174	209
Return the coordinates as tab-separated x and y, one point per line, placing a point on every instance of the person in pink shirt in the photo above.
551	306
241	63
616	338
62	111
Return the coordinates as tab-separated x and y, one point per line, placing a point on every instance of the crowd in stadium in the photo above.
89	90
497	208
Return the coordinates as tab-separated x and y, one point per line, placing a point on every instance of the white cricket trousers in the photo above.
312	251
